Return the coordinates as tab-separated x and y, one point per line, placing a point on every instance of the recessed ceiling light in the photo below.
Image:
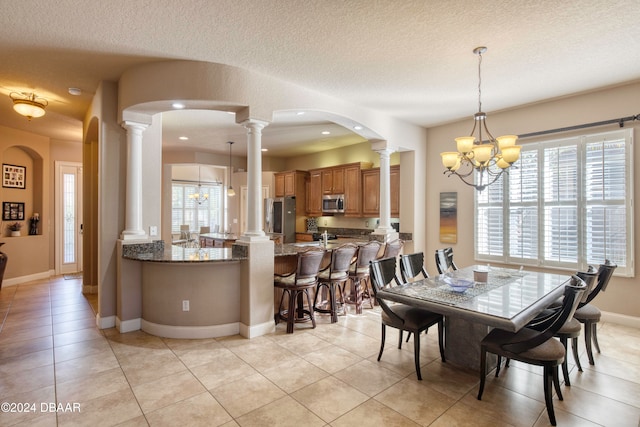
183	138
75	91
357	127
178	105
265	149
326	132
300	113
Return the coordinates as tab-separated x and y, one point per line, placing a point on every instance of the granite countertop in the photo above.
178	254
220	236
294	248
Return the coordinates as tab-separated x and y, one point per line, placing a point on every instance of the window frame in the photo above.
195	223
581	205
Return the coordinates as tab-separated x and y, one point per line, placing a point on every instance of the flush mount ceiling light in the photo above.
489	157
28	104
230	192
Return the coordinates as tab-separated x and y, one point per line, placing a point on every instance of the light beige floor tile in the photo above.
88	387
368	377
284	412
12	349
149	367
167	390
132	343
622	390
46	419
85	366
74	325
25	334
373	414
18	364
265	356
73	315
176	344
246	394
140	421
107	410
416	401
301	343
26	381
461	414
332	359
199	355
448	379
527	382
565	419
60	309
199	410
11	325
80	335
81	349
293	375
329	398
35	398
225	369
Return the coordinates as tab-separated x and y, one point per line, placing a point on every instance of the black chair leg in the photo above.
556	383
441	340
498	365
576	357
548	399
400	339
483	371
416	353
587	341
384	334
594	336
565	367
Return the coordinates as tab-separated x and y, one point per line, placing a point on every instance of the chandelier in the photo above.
199	197
28	104
489	157
230	192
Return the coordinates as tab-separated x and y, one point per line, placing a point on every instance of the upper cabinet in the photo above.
314	193
333	180
290	183
343	179
371	192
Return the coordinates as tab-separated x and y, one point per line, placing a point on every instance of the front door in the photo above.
68	226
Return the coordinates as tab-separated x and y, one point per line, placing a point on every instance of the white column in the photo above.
385	192
133	208
254	180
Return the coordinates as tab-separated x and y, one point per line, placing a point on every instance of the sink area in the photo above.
307	244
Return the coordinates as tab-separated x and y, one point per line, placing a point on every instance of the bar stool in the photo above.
333	278
359	272
296	285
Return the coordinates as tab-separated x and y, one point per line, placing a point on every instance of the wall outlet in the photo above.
153	230
185	305
235	220
366	224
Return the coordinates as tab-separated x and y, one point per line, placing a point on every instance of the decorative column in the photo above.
254	180
133	208
385	192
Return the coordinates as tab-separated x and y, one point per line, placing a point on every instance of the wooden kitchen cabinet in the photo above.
353	190
333	180
290	183
304	237
314	196
371	192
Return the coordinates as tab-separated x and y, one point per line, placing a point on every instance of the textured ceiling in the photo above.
410	59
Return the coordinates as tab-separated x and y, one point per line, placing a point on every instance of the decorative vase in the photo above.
15	233
3	264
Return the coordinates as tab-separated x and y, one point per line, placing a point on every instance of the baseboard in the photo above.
105	322
257	330
621	319
29	278
125	326
190	332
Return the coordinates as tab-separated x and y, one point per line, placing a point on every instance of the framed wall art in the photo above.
449	217
12	211
13	176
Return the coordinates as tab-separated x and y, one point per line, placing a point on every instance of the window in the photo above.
187	210
566	204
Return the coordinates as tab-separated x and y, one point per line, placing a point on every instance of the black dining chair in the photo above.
412	266
588	314
400	316
444	260
535	345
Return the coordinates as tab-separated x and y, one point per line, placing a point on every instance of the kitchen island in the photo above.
187	292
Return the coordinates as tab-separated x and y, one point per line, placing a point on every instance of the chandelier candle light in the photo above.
486	155
199	196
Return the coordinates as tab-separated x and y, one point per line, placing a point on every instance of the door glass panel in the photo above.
69	215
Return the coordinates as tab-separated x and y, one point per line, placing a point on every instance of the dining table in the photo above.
508	299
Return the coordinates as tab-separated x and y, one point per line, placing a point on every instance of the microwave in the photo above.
333	203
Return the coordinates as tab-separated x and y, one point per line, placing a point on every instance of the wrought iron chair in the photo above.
444	260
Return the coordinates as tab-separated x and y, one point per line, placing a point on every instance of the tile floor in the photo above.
53	357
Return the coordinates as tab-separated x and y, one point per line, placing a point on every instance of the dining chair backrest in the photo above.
366	253
444	260
605	271
590	276
184	231
412	265
383	273
205	229
550	325
392	248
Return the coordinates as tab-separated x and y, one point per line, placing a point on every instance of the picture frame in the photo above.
12	211
449	217
14	176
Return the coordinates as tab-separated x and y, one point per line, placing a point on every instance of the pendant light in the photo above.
230	192
199	196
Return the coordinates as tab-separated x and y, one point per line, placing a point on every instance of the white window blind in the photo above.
186	210
566	204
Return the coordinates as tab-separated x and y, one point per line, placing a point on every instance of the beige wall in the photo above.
623	294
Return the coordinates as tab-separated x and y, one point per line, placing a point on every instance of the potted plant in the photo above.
15	228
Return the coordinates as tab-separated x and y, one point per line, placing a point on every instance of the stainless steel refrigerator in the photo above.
280	217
